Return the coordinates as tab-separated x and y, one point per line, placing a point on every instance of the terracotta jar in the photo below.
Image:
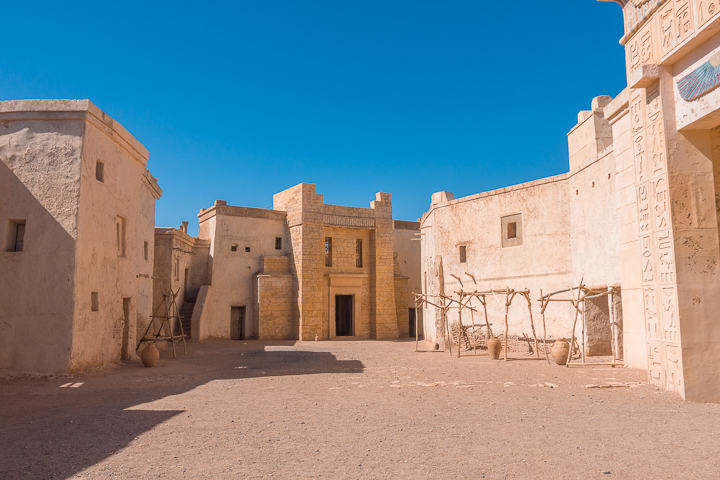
150	355
560	351
494	348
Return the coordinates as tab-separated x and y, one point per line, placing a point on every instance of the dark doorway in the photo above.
412	322
344	315
125	350
237	323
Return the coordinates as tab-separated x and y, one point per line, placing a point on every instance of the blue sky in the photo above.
239	100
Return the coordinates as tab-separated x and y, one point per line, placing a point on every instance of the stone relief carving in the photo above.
656	239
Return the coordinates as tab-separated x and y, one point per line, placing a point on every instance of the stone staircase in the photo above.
186	312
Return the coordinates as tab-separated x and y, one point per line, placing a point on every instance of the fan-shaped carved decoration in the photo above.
703	79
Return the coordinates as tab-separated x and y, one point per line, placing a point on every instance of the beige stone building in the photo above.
77	213
306	269
638	207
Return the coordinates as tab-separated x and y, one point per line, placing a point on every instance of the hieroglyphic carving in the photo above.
668	313
640	49
655	132
652	315
683	20
672	366
668	39
655	363
656	238
707	9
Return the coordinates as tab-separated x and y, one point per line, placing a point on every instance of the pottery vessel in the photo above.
150	355
494	348
559	351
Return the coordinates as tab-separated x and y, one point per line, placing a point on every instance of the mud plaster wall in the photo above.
98	336
566	237
406	245
39	183
231	272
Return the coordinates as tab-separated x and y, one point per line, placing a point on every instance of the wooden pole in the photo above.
611	309
417	336
577	310
583	330
459	326
542	311
487	324
507	308
532	324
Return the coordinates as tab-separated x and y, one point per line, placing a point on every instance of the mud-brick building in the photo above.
77	215
307	269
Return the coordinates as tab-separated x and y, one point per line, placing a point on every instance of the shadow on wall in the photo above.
36	284
53	432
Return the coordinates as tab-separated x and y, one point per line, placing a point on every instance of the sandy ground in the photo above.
350	410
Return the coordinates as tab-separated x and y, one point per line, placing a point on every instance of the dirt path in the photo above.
351	410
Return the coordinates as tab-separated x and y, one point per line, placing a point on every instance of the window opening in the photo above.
512	230
15	236
177	269
100	172
328	251
463	253
247	249
120	226
233	248
145	250
94	302
278	243
358	253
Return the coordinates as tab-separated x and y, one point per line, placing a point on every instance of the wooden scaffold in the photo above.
580	294
164	331
510	295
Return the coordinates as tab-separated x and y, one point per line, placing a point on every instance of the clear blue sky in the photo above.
239	100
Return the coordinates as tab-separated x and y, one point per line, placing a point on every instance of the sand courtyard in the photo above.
358	409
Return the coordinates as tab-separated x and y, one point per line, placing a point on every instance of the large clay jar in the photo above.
150	355
494	348
559	351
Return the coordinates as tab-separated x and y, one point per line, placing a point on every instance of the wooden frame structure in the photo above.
509	297
169	304
578	302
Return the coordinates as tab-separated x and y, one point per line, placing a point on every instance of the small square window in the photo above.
512	230
247	249
15	236
100	172
94	302
233	248
463	254
278	243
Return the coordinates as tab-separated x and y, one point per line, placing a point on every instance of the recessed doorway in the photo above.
412	313
237	323
344	315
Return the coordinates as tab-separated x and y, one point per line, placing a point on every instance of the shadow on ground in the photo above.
49	431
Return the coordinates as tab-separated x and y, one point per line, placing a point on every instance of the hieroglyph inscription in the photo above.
707	9
656	239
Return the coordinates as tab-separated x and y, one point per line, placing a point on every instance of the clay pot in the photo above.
436	346
150	355
494	348
560	351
